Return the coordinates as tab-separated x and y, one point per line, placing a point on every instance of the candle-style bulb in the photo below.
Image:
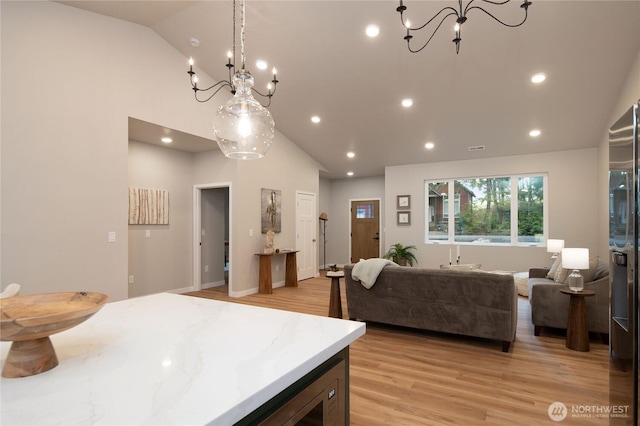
191	61
229	54
457	27
274	71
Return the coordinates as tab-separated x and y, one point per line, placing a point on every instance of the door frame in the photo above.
196	251
380	230
315	238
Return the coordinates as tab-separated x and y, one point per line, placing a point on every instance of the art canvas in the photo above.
271	210
148	206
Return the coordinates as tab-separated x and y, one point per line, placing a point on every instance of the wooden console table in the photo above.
265	285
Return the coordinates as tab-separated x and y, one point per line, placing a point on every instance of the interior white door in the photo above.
306	238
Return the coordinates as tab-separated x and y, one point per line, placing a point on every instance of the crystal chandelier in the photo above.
461	17
243	127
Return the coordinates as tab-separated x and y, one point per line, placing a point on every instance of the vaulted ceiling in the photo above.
483	96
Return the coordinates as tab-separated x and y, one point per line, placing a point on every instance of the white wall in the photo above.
161	262
571	199
341	192
70	81
286	168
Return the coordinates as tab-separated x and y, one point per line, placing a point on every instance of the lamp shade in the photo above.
243	128
555	246
575	258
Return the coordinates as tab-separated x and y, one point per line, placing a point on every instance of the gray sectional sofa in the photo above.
550	308
465	302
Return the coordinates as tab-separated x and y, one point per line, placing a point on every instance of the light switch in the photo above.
203	232
131	279
147	233
112	237
251	232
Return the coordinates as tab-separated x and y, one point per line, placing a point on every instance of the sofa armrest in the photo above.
538	272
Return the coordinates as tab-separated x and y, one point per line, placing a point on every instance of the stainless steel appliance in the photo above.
624	203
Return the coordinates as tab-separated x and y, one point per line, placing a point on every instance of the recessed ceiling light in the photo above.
538	78
349	173
315	119
372	30
261	65
429	145
166	139
407	102
535	133
351	154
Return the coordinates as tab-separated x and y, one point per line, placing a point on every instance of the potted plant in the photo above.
402	255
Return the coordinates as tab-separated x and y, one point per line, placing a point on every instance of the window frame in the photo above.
514	209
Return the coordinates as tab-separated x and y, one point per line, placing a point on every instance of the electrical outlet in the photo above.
131	279
251	232
206	268
147	233
277	268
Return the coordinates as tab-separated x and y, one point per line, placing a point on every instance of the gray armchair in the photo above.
550	308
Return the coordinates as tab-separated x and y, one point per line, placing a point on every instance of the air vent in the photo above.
476	148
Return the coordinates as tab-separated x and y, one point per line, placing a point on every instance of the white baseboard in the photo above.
244	292
181	290
213	284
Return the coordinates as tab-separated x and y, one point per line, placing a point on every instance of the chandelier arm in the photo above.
221	83
268	95
455	12
498	20
212	95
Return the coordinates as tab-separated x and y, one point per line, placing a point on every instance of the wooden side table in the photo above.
265	285
577	332
335	301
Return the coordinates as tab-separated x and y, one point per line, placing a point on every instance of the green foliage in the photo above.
401	255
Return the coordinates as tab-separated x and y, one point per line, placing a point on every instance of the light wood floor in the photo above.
408	377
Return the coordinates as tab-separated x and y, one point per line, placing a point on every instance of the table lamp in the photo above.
555	247
576	259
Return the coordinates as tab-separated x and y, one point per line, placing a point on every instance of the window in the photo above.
365	211
491	210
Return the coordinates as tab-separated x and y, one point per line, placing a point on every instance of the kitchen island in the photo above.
173	359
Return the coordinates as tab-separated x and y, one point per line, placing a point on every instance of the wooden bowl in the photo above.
29	320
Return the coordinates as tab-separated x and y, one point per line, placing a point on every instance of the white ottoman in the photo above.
521	279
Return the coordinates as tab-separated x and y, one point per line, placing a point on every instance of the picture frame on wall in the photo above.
404	202
404	218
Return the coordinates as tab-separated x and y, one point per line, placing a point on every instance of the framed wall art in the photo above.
404	218
404	202
271	202
148	206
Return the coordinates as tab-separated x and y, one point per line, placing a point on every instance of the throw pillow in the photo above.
587	274
554	268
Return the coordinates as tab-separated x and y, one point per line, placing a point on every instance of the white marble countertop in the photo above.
172	359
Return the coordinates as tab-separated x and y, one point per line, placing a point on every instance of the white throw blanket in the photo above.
367	271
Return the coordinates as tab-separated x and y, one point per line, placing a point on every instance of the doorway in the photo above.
306	234
365	229
212	254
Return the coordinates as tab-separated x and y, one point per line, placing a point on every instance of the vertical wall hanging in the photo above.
148	206
271	210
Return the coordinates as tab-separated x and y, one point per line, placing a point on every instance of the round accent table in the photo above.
577	332
335	302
